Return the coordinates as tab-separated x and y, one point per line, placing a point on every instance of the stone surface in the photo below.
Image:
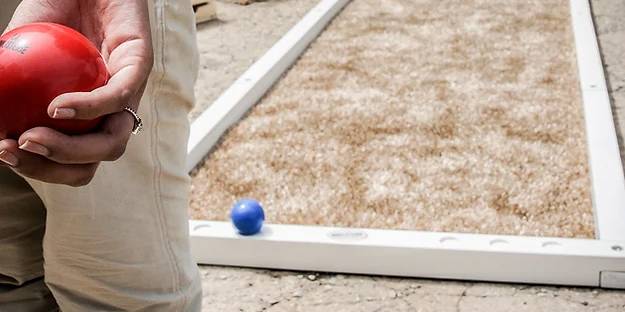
610	25
233	289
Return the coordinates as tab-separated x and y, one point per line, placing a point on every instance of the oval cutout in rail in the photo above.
201	226
617	248
448	239
498	242
348	236
551	244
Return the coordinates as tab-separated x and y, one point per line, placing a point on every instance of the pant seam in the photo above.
161	15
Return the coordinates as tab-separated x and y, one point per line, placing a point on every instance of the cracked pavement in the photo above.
235	289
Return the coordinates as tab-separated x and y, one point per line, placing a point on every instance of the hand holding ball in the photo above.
39	62
247	216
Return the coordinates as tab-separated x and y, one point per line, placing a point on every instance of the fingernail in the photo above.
8	158
64	113
35	148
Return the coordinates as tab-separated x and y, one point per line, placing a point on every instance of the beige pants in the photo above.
120	243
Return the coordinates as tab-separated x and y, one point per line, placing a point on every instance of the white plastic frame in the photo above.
542	260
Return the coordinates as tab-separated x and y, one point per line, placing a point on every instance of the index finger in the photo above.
123	89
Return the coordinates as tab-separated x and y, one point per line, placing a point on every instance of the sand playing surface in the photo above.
444	116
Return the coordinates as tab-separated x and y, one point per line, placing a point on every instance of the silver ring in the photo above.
138	125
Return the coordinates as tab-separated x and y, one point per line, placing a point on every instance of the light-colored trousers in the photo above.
121	243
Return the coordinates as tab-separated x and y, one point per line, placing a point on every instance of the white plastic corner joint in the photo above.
611	279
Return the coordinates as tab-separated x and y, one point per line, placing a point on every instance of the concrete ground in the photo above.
235	289
233	42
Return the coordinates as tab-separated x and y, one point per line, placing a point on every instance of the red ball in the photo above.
39	62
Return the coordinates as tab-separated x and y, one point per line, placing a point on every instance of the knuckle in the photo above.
88	110
149	64
60	158
82	179
78	183
117	152
123	97
27	171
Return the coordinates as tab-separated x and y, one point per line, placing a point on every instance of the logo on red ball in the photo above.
14	44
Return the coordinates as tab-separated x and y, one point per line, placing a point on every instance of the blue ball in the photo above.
247	216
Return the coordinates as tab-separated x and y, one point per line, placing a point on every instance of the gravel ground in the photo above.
233	289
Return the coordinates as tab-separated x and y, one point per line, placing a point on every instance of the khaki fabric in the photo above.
120	243
33	296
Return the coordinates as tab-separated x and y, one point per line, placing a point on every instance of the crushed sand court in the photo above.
418	115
